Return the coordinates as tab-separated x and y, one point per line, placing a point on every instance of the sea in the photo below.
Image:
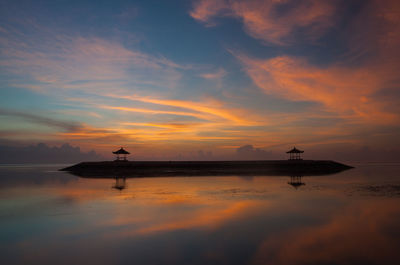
52	217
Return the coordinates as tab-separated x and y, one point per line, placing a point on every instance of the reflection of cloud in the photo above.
270	21
208	217
203	218
358	234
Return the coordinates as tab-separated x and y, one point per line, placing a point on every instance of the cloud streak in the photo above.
351	87
54	123
287	84
344	90
54	62
271	21
208	109
220	73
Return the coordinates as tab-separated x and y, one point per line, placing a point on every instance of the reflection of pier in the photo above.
120	183
296	182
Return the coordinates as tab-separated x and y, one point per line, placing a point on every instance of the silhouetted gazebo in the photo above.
294	154
121	154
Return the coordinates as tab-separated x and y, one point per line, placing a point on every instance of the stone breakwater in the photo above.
205	168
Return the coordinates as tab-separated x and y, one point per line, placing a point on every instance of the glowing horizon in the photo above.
206	75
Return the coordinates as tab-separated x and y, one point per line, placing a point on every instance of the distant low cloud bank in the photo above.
244	152
248	152
42	153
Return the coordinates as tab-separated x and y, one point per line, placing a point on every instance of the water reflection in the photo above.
296	181
62	219
120	183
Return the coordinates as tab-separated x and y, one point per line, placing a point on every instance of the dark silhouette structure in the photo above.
206	168
295	181
294	154
121	154
120	183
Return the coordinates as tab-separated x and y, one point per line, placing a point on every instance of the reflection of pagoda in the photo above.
295	181
120	183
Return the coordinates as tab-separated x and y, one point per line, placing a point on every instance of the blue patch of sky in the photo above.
15	98
165	28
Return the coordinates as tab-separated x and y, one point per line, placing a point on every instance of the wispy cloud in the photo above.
344	90
153	111
210	107
271	21
349	90
53	62
50	122
125	92
220	73
205	10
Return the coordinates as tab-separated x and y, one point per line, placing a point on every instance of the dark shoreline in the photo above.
107	169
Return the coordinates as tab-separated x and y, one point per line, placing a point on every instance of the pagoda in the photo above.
294	154
121	154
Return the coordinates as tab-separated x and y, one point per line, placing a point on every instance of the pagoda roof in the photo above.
121	151
295	150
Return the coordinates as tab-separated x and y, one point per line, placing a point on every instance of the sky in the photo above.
203	79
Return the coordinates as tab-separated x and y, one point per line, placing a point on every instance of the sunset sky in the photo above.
199	79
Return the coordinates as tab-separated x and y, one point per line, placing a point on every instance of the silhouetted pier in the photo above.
205	168
295	166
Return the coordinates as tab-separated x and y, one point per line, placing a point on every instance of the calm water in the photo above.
50	217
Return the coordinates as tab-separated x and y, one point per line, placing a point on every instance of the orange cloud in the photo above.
214	121
212	108
152	111
204	10
348	91
271	21
153	135
174	126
